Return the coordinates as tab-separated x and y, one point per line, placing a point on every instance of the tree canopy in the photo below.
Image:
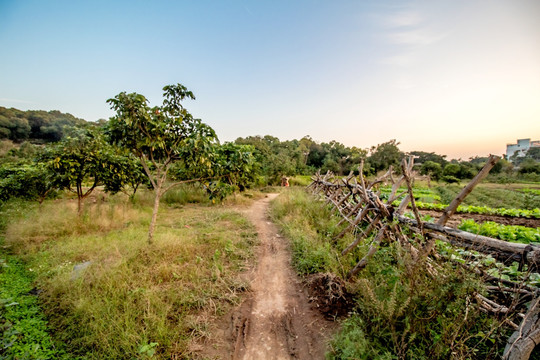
35	125
83	157
160	136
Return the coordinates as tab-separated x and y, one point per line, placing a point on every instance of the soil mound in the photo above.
328	293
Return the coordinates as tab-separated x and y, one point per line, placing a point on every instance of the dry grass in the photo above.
132	294
58	219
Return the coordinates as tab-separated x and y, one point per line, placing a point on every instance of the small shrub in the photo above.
352	343
449	179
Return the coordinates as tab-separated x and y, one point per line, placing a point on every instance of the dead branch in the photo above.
492	160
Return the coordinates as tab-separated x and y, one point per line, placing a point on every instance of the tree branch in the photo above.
188	181
147	171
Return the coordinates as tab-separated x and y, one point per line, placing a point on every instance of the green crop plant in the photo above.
24	333
472	209
514	233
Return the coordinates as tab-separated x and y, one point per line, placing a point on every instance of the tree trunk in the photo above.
155	212
79	205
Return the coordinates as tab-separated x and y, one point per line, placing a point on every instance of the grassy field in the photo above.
492	195
107	294
104	293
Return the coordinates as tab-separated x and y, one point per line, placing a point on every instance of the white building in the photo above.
522	146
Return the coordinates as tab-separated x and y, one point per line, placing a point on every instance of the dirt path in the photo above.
276	321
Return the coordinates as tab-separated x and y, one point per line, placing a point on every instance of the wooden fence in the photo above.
363	212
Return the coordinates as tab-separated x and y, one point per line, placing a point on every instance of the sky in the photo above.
456	77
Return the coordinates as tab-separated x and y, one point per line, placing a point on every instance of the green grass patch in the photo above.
186	194
311	226
300	180
24	330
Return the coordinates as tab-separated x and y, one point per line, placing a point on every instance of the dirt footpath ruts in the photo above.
275	321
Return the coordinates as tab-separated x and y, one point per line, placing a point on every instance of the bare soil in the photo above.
276	320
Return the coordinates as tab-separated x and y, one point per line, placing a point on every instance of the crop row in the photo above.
530	191
514	233
418	194
489	264
472	209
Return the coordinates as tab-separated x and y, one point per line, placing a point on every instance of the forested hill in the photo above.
35	125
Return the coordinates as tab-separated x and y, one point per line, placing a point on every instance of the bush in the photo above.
30	182
449	179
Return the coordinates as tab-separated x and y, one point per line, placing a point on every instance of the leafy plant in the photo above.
471	209
24	333
147	351
514	233
530	191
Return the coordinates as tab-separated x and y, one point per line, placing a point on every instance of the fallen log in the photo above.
502	250
523	341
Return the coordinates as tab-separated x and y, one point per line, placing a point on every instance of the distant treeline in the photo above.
305	156
35	125
276	158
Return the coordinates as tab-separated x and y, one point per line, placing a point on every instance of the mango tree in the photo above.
160	136
236	165
124	173
84	158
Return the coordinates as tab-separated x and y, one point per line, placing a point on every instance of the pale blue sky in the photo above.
458	77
